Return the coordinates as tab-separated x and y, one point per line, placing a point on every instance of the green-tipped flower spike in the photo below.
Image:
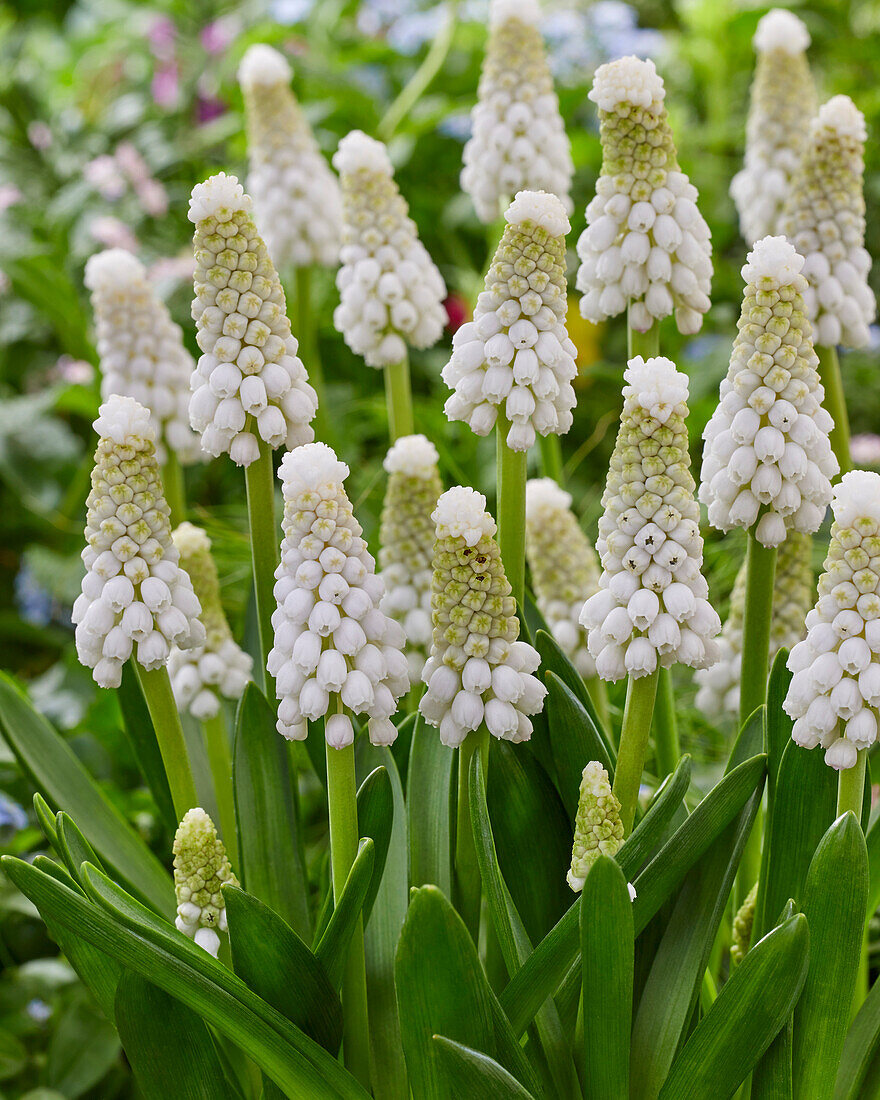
793	592
646	244
598	830
743	923
519	140
564	567
516	353
407	539
782	103
201	868
296	195
218	669
478	671
249	381
824	218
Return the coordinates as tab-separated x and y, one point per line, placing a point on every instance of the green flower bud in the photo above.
201	867
598	830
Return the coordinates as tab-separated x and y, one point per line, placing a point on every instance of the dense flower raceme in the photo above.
834	694
518	138
201	869
793	590
824	218
743	923
391	294
651	606
598	830
407	542
248	381
136	600
782	103
646	243
296	195
516	354
331	638
767	456
219	669
564	567
141	350
478	671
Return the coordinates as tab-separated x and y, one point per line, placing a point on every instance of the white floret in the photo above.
856	495
218	197
628	80
262	64
415	455
358	152
780	29
656	384
775	260
540	207
841	115
461	513
526	11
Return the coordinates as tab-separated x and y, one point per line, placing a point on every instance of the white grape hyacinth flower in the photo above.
296	195
516	355
651	607
834	694
249	383
783	100
201	870
824	218
646	245
564	568
768	459
518	140
136	601
391	294
141	350
478	671
407	542
335	650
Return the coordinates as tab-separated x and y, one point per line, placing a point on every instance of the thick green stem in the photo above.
305	331
511	503
220	760
851	786
835	403
634	736
260	482
468	885
551	457
398	396
156	687
646	344
666	747
598	693
173	484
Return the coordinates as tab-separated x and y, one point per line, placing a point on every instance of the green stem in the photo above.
260	482
598	693
306	334
398	397
173	484
835	403
551	457
511	504
646	344
468	885
220	760
156	687
634	735
666	746
344	836
851	787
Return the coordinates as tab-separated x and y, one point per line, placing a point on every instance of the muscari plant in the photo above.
521	892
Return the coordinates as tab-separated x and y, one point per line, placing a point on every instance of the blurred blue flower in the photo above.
38	1010
290	11
703	346
34	603
409	33
12	816
456	126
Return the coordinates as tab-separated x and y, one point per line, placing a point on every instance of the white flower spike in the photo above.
516	354
646	244
201	869
598	830
334	647
249	382
391	294
767	457
651	607
136	600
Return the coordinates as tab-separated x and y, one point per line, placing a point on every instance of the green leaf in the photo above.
270	856
139	728
72	846
467	1072
13	1055
375	811
778	734
168	1045
834	900
332	949
873	842
427	808
46	819
657	818
555	661
860	1048
574	740
607	953
57	773
771	1077
748	1012
83	1049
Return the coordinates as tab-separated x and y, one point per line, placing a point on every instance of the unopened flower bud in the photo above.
598	830
201	869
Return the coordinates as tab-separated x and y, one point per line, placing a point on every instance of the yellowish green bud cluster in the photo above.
743	923
201	869
598	830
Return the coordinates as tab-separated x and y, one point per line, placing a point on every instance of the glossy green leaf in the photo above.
332	949
142	737
13	1055
649	832
555	661
467	1072
873	842
860	1048
57	773
46	819
574	740
375	809
428	788
771	1077
778	724
72	846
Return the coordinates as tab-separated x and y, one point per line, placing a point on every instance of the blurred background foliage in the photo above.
109	113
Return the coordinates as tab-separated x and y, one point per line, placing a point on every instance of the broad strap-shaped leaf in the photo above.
771	1077
375	810
554	660
859	1048
777	723
332	949
142	737
427	808
663	807
574	739
467	1072
72	846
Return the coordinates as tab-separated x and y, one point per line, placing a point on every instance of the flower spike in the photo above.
598	829
201	869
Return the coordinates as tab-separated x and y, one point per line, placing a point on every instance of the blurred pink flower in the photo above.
208	108
161	36
9	195
865	449
131	162
104	175
153	198
165	85
217	36
457	310
173	269
112	233
76	372
39	135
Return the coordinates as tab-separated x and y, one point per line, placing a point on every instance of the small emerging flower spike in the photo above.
331	638
136	600
598	830
201	869
793	592
249	379
391	294
516	353
518	140
141	350
477	672
783	101
651	606
646	244
824	218
743	923
834	694
219	669
407	539
767	457
564	567
296	195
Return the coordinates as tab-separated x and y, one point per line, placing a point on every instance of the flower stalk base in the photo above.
159	697
634	735
260	482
